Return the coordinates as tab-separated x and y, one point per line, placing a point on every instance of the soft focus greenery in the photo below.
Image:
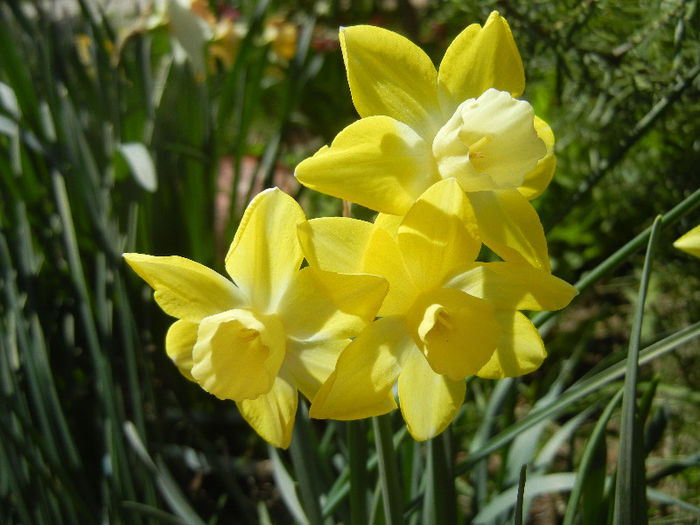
110	143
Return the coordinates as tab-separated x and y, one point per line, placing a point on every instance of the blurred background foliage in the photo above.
117	135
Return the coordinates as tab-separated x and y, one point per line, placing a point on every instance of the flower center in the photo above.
456	332
238	354
489	143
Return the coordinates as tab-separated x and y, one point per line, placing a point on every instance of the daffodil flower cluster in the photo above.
449	159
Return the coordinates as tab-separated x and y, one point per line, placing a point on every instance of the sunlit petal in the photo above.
238	354
377	162
438	236
429	401
265	253
390	223
478	59
347	245
179	342
272	414
456	332
538	179
389	75
311	361
319	301
690	242
510	226
520	348
186	289
515	286
365	373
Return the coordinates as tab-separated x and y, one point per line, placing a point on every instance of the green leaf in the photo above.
630	505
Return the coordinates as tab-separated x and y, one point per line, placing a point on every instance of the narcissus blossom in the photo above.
272	331
689	242
445	317
420	125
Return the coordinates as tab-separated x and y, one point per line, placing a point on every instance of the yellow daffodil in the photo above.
420	125
271	331
690	242
445	317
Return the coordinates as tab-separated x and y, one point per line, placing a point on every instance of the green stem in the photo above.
388	472
440	503
357	451
303	462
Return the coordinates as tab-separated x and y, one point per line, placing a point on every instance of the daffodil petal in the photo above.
520	348
186	289
265	253
389	75
439	236
311	361
390	223
538	179
272	414
510	226
515	286
456	332
343	245
238	354
689	242
429	401
179	342
478	59
365	373
377	162
328	302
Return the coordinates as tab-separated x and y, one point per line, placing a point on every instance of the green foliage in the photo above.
112	144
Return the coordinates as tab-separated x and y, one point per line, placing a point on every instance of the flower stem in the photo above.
357	451
388	471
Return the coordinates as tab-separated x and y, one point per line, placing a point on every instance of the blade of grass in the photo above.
685	206
305	466
594	441
388	472
579	391
166	484
630	503
518	518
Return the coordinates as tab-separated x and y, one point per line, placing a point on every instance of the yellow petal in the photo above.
331	303
520	348
478	59
429	401
365	373
377	162
238	354
690	242
265	253
389	222
510	226
438	237
335	244
538	179
389	75
179	342
515	286
343	245
311	361
186	289
456	332
272	414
